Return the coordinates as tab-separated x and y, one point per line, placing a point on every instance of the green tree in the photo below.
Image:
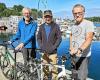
6	13
2	7
94	19
40	14
18	8
36	14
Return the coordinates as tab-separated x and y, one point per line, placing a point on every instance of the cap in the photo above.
47	12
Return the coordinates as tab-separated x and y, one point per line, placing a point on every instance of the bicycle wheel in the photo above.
6	67
33	71
2	48
22	74
62	78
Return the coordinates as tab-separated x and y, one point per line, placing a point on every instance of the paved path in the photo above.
2	77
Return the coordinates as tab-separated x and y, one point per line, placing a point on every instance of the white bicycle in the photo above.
46	68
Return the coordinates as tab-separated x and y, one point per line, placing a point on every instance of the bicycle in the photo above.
32	70
36	69
8	63
48	72
62	75
28	71
45	69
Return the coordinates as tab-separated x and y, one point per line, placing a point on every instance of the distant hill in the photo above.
93	12
63	14
68	14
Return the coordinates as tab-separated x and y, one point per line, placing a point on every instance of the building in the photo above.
13	23
5	21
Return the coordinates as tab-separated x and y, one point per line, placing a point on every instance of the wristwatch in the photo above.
80	50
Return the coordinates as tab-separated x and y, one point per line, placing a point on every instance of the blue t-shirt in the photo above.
47	30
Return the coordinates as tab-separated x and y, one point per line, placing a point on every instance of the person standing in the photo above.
49	38
80	42
26	34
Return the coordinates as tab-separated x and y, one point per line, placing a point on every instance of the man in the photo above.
26	34
49	37
80	42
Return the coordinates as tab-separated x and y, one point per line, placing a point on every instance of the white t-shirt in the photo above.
79	35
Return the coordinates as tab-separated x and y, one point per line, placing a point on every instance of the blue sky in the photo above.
55	5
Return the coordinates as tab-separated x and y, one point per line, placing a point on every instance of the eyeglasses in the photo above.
48	16
79	13
26	13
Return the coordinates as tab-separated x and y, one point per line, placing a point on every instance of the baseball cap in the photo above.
47	13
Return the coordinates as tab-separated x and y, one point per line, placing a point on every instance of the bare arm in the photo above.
89	37
72	49
70	41
87	42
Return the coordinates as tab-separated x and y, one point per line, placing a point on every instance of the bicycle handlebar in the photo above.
5	43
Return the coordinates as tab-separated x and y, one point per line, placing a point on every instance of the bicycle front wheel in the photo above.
62	78
33	71
6	67
22	74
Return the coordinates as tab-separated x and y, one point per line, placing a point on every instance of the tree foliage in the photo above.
2	7
17	10
94	19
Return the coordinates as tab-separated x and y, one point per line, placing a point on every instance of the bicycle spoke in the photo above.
62	78
4	62
6	67
21	73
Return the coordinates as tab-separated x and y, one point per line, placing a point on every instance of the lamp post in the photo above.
38	4
38	8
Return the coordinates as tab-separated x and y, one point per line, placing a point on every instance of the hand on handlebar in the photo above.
20	46
78	54
9	42
75	53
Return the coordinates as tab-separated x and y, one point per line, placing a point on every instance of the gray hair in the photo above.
30	11
79	5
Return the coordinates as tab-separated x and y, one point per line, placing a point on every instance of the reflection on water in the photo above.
5	36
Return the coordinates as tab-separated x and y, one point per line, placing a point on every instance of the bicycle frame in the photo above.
39	66
11	62
61	74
